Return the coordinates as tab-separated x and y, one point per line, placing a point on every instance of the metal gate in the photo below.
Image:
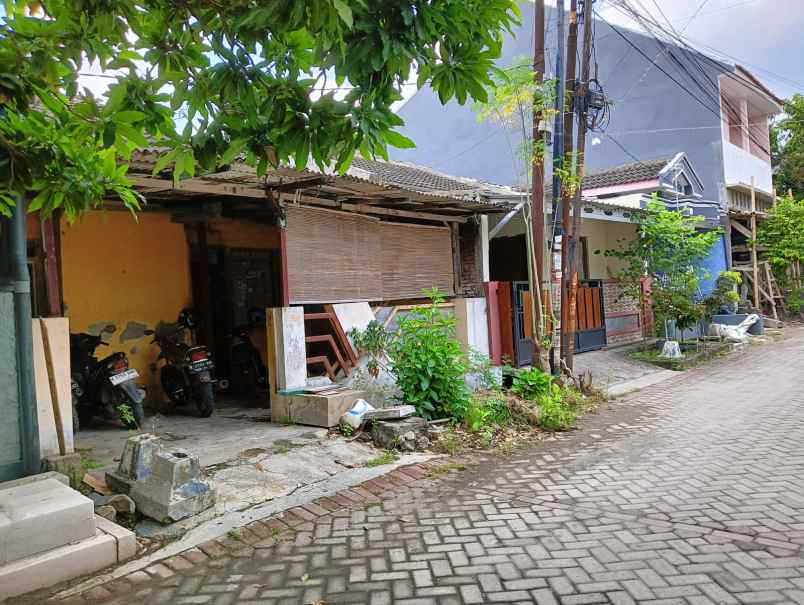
590	321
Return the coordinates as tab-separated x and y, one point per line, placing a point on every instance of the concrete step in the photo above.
40	516
49	568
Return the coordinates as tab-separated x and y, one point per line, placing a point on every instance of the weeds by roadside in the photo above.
387	457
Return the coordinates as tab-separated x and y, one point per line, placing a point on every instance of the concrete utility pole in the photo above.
572	252
558	140
537	189
567	341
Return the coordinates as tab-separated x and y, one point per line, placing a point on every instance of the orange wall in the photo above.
117	270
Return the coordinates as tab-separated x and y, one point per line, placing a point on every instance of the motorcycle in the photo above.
248	372
106	387
188	373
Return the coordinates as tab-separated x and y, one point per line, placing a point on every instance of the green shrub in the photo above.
487	411
555	413
428	362
483	367
531	384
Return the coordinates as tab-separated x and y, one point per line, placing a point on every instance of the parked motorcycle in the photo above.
248	375
188	373
105	388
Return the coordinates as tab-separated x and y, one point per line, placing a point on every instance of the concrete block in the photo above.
136	463
126	539
174	490
42	515
286	336
389	434
69	465
34	478
58	565
315	410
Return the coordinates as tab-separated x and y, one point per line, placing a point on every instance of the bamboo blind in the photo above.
336	257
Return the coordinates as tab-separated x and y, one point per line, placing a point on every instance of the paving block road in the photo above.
689	492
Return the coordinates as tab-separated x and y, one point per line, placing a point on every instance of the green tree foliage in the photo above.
668	247
782	234
268	80
787	147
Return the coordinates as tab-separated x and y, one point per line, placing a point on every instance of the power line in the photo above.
622	147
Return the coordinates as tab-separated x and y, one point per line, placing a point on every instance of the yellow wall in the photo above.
602	236
117	270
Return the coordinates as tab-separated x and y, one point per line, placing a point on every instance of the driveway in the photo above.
691	491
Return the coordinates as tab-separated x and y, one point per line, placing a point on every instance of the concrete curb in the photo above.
632	386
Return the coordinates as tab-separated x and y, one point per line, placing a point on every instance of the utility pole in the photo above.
581	147
558	141
567	340
537	190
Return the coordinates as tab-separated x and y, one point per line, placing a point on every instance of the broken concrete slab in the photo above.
69	465
42	515
393	413
174	489
120	502
315	410
399	434
135	463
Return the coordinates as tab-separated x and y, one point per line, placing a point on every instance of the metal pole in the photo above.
21	286
558	142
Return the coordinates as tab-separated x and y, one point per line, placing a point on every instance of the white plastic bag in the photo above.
354	417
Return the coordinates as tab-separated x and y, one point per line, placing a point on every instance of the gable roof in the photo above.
625	174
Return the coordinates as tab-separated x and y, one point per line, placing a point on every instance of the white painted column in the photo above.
286	340
484	247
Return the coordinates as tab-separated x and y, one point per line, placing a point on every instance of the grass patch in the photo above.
233	534
386	457
282	450
449	443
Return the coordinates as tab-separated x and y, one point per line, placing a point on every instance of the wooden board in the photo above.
505	304
58	330
527	309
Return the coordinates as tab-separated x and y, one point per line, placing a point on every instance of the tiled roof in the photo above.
621	175
415	177
625	174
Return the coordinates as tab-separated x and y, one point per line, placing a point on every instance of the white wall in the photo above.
739	166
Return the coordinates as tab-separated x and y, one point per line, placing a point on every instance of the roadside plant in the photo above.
486	411
373	342
428	362
668	247
781	232
489	379
531	384
725	295
554	413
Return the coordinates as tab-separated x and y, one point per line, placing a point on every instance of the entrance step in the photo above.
109	544
42	515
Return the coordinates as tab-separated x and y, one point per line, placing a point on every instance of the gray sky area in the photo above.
763	35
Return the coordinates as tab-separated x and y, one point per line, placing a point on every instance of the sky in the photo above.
762	35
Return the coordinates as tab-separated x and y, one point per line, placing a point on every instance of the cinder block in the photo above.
315	410
39	516
34	478
57	565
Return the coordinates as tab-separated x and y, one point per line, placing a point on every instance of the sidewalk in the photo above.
616	374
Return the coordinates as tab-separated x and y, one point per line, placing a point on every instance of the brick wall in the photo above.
623	314
471	277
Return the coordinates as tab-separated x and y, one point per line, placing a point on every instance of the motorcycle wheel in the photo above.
206	400
173	384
